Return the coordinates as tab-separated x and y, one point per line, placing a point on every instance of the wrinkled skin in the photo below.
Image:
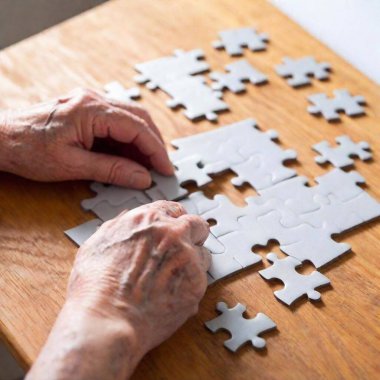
133	284
52	141
142	274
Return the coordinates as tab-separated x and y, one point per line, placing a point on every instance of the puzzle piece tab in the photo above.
242	330
238	72
301	69
329	107
232	40
296	284
340	156
116	90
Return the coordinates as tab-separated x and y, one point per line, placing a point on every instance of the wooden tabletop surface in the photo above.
336	338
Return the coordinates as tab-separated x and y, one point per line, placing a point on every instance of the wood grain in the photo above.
336	339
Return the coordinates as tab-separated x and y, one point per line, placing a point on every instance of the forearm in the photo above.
4	142
86	346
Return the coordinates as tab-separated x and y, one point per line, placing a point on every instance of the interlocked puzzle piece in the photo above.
116	90
242	330
234	39
168	69
81	233
329	107
301	69
238	72
167	188
340	156
296	284
196	96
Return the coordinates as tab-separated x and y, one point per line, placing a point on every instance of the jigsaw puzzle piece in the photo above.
81	233
238	72
116	90
232	40
114	195
300	70
198	99
340	156
242	330
165	188
168	69
329	107
296	284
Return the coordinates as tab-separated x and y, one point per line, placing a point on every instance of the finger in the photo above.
126	127
172	209
112	169
140	112
199	228
205	258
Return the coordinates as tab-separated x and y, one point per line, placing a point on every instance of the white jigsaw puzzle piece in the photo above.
116	90
295	284
81	233
242	330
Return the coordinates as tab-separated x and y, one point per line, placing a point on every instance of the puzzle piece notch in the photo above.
232	40
329	107
242	330
198	99
238	72
296	284
300	70
165	70
340	156
115	90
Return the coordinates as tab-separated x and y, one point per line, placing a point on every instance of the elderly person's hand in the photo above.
55	141
134	282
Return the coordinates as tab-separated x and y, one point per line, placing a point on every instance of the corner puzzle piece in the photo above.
340	156
296	284
343	101
242	330
168	69
198	98
301	69
165	188
237	73
114	195
190	170
82	232
116	90
234	39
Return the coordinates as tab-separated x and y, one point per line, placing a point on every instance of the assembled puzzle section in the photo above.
340	156
233	40
300	70
330	107
242	330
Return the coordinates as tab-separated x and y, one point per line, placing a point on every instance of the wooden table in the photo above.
337	338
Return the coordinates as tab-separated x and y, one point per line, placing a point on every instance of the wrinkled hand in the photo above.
52	141
147	266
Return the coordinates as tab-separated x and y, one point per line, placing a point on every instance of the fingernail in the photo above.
140	180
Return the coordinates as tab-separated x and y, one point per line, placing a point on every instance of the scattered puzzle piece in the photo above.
116	90
340	156
242	330
81	233
329	107
238	72
296	284
198	98
168	69
300	70
232	40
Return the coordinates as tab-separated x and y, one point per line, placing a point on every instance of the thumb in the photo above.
111	169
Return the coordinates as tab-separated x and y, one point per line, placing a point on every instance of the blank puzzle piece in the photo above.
242	330
340	156
232	40
238	72
301	69
329	107
116	90
81	233
296	284
197	97
168	69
